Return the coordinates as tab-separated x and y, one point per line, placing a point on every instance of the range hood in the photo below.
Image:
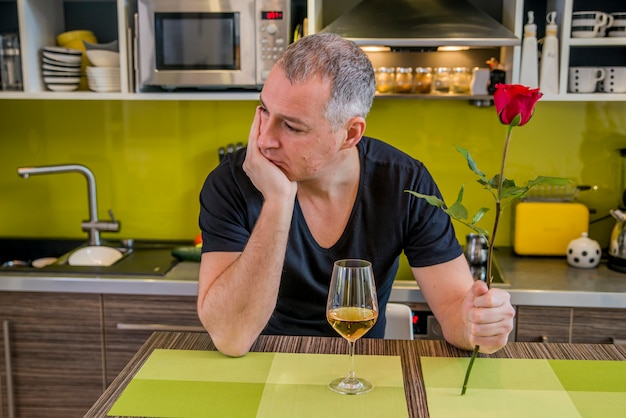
421	24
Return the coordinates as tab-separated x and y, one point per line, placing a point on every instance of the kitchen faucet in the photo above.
93	226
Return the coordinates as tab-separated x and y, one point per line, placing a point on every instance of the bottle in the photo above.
549	72
529	69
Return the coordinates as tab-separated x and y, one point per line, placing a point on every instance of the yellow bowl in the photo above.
76	38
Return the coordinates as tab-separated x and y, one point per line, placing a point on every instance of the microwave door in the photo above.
214	49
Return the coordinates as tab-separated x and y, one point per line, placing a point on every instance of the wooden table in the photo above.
409	352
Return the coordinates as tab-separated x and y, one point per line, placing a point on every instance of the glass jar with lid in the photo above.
422	80
441	80
461	80
404	80
385	78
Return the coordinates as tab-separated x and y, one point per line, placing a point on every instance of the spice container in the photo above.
461	79
404	80
441	80
422	80
385	77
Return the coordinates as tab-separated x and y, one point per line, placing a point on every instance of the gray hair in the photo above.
350	71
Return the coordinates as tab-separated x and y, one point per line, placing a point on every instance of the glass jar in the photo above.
422	80
461	79
404	80
385	77
441	80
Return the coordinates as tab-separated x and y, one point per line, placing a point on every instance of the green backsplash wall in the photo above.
151	157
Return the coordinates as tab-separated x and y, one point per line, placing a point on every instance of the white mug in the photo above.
619	18
590	24
614	80
585	79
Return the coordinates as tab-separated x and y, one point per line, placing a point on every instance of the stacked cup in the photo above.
614	80
618	29
590	24
104	73
61	68
585	79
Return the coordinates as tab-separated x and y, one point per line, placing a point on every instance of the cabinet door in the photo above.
600	326
55	353
130	319
543	324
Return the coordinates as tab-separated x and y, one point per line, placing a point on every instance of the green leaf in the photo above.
470	162
553	181
479	215
432	200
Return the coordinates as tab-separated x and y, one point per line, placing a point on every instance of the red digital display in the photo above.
272	15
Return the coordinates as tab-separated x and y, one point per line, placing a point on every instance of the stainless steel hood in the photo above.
421	23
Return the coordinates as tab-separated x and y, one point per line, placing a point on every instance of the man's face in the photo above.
294	133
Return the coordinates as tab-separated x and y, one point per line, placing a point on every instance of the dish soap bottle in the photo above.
529	69
549	72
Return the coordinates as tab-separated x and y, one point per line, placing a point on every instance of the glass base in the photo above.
346	386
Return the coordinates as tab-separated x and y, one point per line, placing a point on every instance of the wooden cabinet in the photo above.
600	326
570	325
52	354
539	324
130	319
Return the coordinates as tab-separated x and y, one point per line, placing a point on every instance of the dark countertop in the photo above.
534	281
545	281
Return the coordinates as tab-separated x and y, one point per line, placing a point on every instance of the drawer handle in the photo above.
9	369
160	327
618	341
544	339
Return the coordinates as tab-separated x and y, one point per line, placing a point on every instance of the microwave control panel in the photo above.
273	34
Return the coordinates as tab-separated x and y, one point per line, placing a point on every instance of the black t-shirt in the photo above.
385	221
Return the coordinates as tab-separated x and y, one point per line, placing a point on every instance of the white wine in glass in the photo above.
352	310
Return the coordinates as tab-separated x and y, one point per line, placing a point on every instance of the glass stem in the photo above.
351	375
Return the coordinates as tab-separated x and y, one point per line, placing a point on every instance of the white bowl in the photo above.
94	256
63	50
59	64
63	58
61	80
103	58
62	87
108	46
103	71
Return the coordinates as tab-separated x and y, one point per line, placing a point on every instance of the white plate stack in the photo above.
104	74
60	68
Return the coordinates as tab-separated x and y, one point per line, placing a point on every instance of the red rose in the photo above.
515	103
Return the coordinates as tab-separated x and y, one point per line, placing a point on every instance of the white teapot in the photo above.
584	252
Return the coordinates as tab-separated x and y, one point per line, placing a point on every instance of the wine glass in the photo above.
352	309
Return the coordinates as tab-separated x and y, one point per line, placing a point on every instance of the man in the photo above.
311	189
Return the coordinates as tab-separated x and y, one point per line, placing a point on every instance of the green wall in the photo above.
151	157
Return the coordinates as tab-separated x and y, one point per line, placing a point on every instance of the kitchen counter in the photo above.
533	281
544	281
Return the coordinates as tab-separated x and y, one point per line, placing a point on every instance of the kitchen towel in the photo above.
192	383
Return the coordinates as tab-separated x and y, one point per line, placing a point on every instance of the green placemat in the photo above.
525	388
188	383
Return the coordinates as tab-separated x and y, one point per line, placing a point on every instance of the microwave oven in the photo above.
202	44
